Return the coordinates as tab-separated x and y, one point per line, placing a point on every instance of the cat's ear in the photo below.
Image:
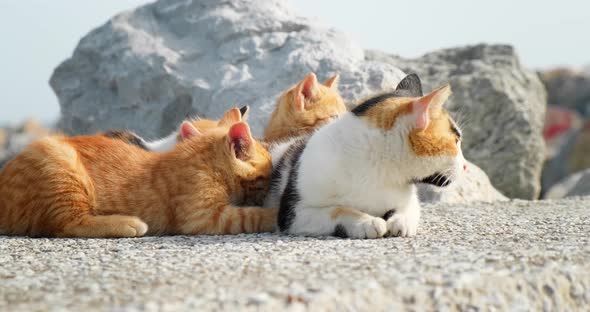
410	85
188	130
244	111
239	140
231	117
332	82
306	89
428	106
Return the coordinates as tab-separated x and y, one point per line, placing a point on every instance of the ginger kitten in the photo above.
305	107
356	176
165	144
301	109
95	186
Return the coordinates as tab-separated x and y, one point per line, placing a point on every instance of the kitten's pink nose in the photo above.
465	167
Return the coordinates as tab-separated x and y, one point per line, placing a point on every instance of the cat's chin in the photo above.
436	179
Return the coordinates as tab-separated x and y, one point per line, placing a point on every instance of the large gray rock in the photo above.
149	68
577	184
473	186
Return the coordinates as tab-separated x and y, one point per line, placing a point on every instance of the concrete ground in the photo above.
516	255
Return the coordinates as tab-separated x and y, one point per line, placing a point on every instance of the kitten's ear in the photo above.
411	85
239	140
244	111
332	82
306	89
231	117
188	130
429	105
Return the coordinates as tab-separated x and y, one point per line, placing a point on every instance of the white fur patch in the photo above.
350	164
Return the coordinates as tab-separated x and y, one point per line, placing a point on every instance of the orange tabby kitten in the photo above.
165	144
305	107
301	109
95	186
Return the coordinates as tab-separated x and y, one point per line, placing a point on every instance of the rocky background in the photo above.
147	69
527	136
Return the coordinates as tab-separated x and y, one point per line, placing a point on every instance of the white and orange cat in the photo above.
97	186
356	176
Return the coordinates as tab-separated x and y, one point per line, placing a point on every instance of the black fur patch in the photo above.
436	179
455	131
277	173
366	105
388	214
244	110
128	137
290	196
410	86
340	231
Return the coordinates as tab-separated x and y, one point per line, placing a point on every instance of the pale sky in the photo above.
38	34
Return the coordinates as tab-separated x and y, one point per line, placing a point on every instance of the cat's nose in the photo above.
464	167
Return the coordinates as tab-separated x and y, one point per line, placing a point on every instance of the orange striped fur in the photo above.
305	107
95	186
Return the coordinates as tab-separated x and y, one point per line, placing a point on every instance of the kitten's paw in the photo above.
136	227
402	224
106	226
126	226
369	227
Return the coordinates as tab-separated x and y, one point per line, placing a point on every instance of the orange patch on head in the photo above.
433	134
199	125
438	139
305	107
385	113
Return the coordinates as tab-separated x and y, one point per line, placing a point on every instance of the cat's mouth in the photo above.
437	179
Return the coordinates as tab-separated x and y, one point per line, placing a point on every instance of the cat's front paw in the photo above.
369	227
402	224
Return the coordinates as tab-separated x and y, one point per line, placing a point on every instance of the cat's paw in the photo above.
402	224
126	226
369	227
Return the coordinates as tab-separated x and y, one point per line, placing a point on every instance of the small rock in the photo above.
572	157
577	184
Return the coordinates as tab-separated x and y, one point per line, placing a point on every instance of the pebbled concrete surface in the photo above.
517	255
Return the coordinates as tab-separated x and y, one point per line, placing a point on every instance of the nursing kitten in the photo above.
356	176
305	107
95	186
165	144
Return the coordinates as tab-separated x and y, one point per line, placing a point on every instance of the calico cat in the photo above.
165	144
355	177
305	107
95	186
